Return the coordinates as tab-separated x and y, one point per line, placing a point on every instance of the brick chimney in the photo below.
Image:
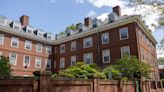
117	10
24	20
88	22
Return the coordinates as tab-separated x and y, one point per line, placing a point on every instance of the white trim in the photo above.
2	35
39	44
24	60
84	42
38	61
46	62
62	51
123	29
90	57
26	43
104	34
16	40
48	48
15	62
122	50
103	54
73	57
72	43
62	60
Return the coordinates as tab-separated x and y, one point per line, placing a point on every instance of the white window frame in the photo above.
106	53
14	39
123	52
46	62
73	59
27	42
88	55
123	29
37	46
103	35
15	62
85	44
73	46
62	51
48	48
2	37
24	60
38	60
62	63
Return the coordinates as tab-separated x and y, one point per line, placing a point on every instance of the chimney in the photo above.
24	20
88	22
117	10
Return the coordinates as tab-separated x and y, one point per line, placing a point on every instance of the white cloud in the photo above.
144	10
91	14
103	16
79	1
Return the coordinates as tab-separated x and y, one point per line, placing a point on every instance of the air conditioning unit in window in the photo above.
112	17
3	20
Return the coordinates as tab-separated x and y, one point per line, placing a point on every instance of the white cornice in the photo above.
123	21
24	34
118	23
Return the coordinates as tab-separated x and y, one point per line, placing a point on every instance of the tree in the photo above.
132	68
82	71
4	67
157	6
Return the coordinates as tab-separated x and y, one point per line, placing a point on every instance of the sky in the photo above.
55	15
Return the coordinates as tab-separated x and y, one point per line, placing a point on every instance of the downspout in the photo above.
98	49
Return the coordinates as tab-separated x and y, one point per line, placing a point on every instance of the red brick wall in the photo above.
19	69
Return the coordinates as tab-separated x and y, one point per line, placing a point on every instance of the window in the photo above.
26	61
123	33
48	64
28	45
37	62
54	64
49	50
73	60
105	38
125	51
62	48
106	56
39	47
62	62
14	42
0	53
13	58
1	39
88	58
73	46
87	42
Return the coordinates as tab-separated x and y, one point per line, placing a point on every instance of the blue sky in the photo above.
55	15
50	15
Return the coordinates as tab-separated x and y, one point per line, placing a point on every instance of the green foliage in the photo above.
112	70
72	27
132	68
4	67
82	71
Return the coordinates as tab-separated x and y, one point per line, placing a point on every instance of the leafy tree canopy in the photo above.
4	67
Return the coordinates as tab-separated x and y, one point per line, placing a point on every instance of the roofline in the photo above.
126	20
24	34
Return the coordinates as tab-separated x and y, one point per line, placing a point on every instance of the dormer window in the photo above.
29	29
48	36
16	25
94	23
2	20
39	33
80	27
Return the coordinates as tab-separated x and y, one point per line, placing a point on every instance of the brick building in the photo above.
94	41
